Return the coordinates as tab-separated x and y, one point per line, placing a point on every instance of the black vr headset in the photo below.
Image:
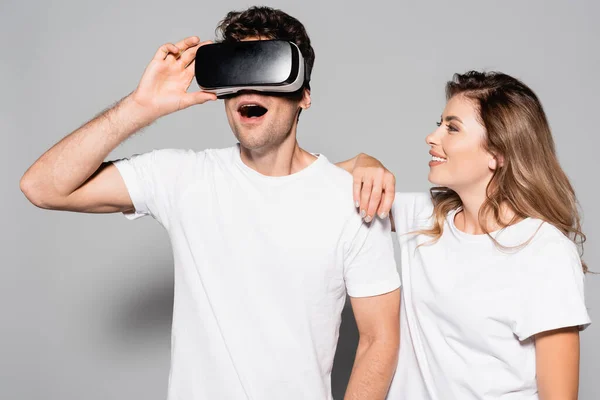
274	66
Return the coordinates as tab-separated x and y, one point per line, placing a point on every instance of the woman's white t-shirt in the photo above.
470	310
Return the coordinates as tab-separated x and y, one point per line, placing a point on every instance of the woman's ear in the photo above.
496	161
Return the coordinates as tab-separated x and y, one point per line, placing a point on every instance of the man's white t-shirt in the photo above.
470	310
262	268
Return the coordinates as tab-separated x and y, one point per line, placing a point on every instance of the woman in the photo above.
492	299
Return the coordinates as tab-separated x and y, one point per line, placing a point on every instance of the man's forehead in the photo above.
254	38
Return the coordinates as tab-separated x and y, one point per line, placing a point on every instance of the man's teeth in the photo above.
434	158
252	110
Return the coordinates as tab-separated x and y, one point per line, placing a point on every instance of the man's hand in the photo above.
71	175
163	87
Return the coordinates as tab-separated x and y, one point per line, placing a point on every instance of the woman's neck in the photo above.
467	220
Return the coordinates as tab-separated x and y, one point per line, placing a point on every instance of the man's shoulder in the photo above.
334	184
190	155
336	177
224	152
178	163
331	188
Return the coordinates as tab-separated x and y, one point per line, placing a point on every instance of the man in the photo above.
265	237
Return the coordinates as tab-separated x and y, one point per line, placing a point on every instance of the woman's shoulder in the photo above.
550	251
549	237
413	203
412	210
415	200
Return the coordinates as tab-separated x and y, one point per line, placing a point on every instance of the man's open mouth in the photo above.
252	110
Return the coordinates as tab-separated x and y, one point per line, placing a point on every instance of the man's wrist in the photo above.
139	113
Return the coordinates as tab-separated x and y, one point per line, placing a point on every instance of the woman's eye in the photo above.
452	128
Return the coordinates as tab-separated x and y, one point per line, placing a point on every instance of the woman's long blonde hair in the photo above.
530	181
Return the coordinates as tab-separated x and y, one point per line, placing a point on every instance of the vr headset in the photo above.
274	66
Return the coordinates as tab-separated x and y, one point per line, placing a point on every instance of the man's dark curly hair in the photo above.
267	23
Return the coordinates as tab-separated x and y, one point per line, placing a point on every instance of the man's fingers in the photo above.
199	97
192	67
190	54
164	50
188	42
182	46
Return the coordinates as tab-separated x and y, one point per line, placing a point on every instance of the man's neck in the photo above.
280	160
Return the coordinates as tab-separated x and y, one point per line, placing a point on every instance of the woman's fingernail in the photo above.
368	219
363	213
383	215
356	204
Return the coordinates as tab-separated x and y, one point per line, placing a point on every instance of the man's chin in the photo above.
252	142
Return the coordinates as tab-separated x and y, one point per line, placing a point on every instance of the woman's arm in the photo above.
557	364
374	186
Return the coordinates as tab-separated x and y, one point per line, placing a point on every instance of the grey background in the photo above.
86	299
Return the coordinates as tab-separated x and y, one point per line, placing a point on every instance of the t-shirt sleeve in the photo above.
153	180
369	265
551	292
